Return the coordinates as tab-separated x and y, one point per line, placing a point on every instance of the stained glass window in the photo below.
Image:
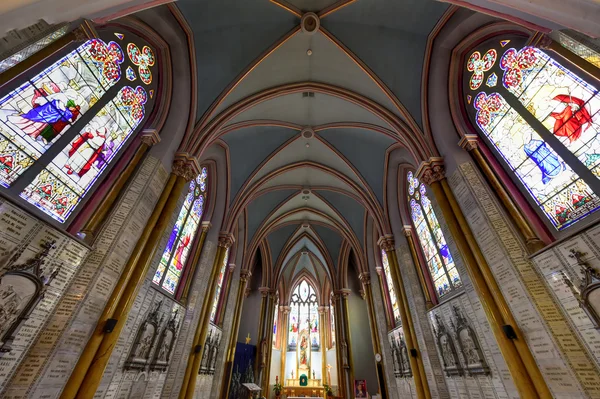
182	236
433	243
543	123
275	324
304	315
332	322
390	286
79	101
221	279
42	109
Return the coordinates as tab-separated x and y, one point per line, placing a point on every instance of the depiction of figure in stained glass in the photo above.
88	148
183	243
573	120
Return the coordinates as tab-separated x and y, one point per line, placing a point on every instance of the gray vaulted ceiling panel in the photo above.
332	240
390	37
262	206
278	238
351	210
365	150
227	42
249	147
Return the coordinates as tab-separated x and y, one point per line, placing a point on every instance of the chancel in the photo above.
300	199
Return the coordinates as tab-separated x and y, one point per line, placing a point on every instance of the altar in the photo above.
307	391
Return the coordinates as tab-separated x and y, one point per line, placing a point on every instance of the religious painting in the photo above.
162	354
468	343
144	341
446	349
303	351
360	389
22	286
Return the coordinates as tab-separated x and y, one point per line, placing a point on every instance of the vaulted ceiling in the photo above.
309	118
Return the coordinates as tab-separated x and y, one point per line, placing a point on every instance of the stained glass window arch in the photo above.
63	123
220	281
434	247
541	120
181	239
390	287
304	315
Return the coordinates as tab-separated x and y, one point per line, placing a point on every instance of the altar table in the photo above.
295	391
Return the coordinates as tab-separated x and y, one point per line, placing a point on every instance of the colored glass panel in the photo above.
433	243
130	74
332	322
304	314
143	59
182	236
390	286
59	187
556	188
215	305
37	113
275	324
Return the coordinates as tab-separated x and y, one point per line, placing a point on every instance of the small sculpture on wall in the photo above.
395	356
204	363
162	354
144	340
587	293
469	345
214	354
405	370
447	349
22	286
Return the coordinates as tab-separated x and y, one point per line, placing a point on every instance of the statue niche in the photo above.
587	294
165	344
144	340
447	349
22	286
469	345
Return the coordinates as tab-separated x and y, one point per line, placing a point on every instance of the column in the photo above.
88	372
268	337
425	288
470	143
148	138
235	326
416	361
323	341
526	376
191	372
341	347
285	311
205	226
365	279
261	354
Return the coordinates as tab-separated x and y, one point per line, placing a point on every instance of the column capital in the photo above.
286	309
322	309
264	291
344	292
231	267
362	293
469	142
186	166
379	270
431	171
149	137
386	242
226	240
365	278
407	230
245	275
206	225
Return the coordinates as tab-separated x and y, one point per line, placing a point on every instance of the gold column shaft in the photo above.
340	340
283	342
366	280
260	334
415	257
109	341
97	218
91	348
323	338
197	350
194	264
519	359
346	321
416	362
269	340
532	241
391	324
225	293
235	327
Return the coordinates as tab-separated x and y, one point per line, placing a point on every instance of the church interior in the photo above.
300	199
